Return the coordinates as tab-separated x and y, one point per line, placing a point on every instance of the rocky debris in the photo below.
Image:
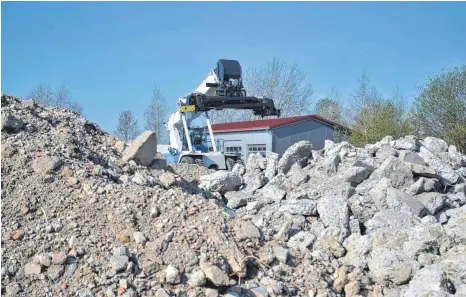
239	169
356	174
272	165
142	149
435	145
391	267
79	220
214	274
246	230
238	199
429	280
300	151
189	172
10	123
197	279
31	269
220	181
305	207
172	275
399	174
281	254
333	211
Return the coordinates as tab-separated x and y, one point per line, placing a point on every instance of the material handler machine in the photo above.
221	89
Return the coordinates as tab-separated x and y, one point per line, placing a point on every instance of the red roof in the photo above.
267	124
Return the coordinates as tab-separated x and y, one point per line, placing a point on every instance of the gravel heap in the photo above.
82	217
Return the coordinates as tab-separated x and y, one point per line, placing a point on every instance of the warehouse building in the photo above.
274	135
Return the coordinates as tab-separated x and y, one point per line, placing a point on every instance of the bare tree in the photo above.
285	84
155	115
127	127
330	108
60	98
42	94
63	99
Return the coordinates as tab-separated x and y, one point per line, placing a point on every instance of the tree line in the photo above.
438	109
155	116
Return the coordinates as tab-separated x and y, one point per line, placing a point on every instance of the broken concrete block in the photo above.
297	152
142	150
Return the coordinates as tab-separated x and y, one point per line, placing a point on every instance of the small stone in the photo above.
150	268
46	164
281	254
124	236
59	258
31	269
352	289
121	290
302	240
57	226
24	210
217	276
354	226
45	260
197	279
161	293
123	283
283	232
167	179
73	242
12	289
119	263
139	238
29	104
154	212
18	235
55	272
172	275
211	292
247	230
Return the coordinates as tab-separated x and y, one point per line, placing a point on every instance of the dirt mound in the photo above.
81	219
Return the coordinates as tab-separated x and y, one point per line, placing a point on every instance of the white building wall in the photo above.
245	140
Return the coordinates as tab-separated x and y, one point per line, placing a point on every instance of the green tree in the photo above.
374	116
440	107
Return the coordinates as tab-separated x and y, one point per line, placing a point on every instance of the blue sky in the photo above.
110	54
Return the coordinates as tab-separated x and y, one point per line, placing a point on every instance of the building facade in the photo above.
274	135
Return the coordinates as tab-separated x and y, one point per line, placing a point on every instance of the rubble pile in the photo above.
84	214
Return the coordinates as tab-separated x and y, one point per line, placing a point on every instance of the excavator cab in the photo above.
198	137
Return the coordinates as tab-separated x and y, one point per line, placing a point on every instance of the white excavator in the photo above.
221	89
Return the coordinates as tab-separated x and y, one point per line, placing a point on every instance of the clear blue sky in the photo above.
110	54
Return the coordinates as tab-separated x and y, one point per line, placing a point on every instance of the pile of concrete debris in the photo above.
86	215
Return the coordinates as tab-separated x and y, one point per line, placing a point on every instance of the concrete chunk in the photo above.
217	276
399	200
143	149
298	151
220	181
